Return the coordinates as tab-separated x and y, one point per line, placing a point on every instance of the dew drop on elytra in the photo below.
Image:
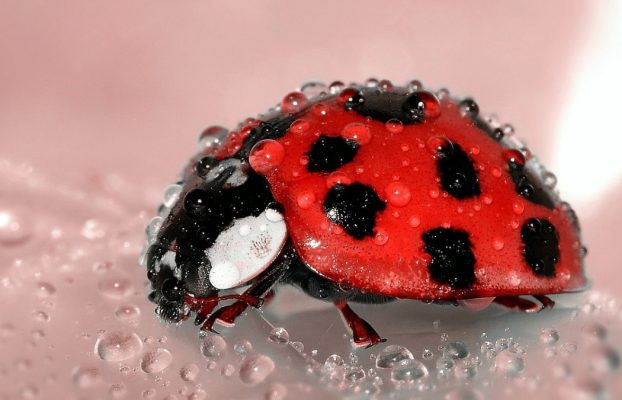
279	336
336	87
293	102
468	107
156	360
171	195
266	155
392	355
313	89
213	346
211	138
118	345
255	369
394	125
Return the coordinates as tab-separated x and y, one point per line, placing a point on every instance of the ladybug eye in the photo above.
172	289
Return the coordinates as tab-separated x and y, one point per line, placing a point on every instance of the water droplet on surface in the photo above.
116	286
279	336
381	237
211	138
40	316
13	228
117	390
358	132
155	361
509	362
243	347
276	391
414	85
595	331
392	355
336	87
394	126
153	228
149	394
422	105
293	102
305	200
350	99
227	371
213	346
498	244
313	89
397	194
427	354
266	155
408	371
127	313
514	158
189	372
439	146
255	369
549	336
456	350
604	359
171	195
86	377
93	229
118	345
45	289
468	107
466	368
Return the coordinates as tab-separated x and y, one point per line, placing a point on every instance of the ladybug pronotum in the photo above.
365	193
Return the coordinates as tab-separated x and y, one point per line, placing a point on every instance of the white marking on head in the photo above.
246	249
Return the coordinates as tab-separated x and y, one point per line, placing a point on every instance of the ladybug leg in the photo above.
260	290
517	303
546	301
363	333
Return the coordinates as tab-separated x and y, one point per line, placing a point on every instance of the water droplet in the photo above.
117	390
336	87
568	349
45	289
13	228
358	132
255	369
149	394
155	361
298	346
350	99
508	362
320	109
127	313
118	345
391	355
466	368
305	200
381	236
415	85
427	354
213	346
227	371
397	194
279	336
313	89
439	145
40	316
337	177
211	138
408	371
549	336
595	331
604	359
86	377
299	126
189	372
266	155
275	391
414	221
171	195
456	350
394	126
514	157
518	207
498	244
116	286
243	347
468	107
293	102
93	229
550	180
422	105
385	85
153	228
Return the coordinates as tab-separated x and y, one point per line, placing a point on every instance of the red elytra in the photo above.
400	166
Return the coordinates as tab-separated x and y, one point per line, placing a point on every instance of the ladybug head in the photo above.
223	231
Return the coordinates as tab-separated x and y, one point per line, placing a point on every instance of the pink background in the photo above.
90	90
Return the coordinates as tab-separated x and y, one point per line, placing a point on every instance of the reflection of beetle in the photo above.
365	196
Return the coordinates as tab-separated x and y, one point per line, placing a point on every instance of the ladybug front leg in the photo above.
363	334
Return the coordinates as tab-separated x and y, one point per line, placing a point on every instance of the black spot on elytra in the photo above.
453	261
457	173
529	185
541	242
354	208
327	154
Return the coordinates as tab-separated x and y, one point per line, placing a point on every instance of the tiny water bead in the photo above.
293	102
397	194
45	289
439	145
468	107
156	360
13	228
394	125
313	89
118	345
305	199
456	350
266	155
408	371
243	347
279	336
392	355
93	229
171	195
86	376
211	138
213	346
255	369
127	313
350	99
357	132
549	336
116	286
422	105
189	372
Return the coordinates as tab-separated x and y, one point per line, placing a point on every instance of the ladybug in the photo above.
362	193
